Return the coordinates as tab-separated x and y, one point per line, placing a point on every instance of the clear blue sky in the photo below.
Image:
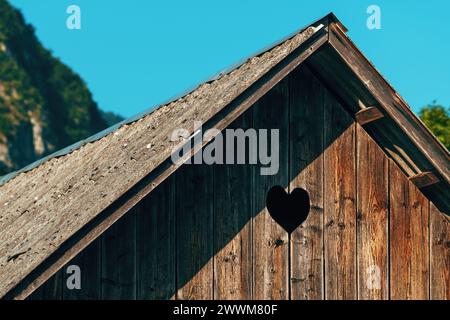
135	54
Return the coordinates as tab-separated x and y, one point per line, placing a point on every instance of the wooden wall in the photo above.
205	233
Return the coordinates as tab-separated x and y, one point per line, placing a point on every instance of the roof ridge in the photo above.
104	133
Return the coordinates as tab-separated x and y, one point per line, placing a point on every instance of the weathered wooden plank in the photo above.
89	262
391	102
372	219
348	79
270	241
424	179
340	202
409	260
233	269
329	67
368	115
439	255
50	290
119	259
306	171
195	207
156	251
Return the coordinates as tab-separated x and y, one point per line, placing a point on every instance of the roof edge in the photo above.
110	130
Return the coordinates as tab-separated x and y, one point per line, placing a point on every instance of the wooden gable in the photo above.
141	226
205	233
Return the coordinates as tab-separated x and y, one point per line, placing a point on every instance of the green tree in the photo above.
437	119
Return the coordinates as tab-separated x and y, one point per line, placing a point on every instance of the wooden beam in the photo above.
387	99
337	23
424	179
368	115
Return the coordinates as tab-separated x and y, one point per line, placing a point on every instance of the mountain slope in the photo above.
44	105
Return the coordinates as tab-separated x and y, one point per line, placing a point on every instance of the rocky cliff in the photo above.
44	105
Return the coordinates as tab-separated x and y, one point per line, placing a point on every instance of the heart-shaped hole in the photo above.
288	210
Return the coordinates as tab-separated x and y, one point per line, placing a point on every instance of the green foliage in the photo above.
34	83
437	119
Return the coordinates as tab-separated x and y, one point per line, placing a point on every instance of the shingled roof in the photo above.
76	194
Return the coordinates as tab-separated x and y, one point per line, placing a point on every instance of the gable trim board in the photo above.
392	103
85	171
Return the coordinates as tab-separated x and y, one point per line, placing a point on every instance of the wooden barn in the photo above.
139	226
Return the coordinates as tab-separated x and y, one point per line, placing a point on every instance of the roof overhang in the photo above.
384	114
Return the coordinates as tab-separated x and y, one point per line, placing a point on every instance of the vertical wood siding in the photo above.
87	261
233	265
372	219
205	232
270	241
195	209
50	290
340	202
306	171
439	255
118	259
156	236
409	257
